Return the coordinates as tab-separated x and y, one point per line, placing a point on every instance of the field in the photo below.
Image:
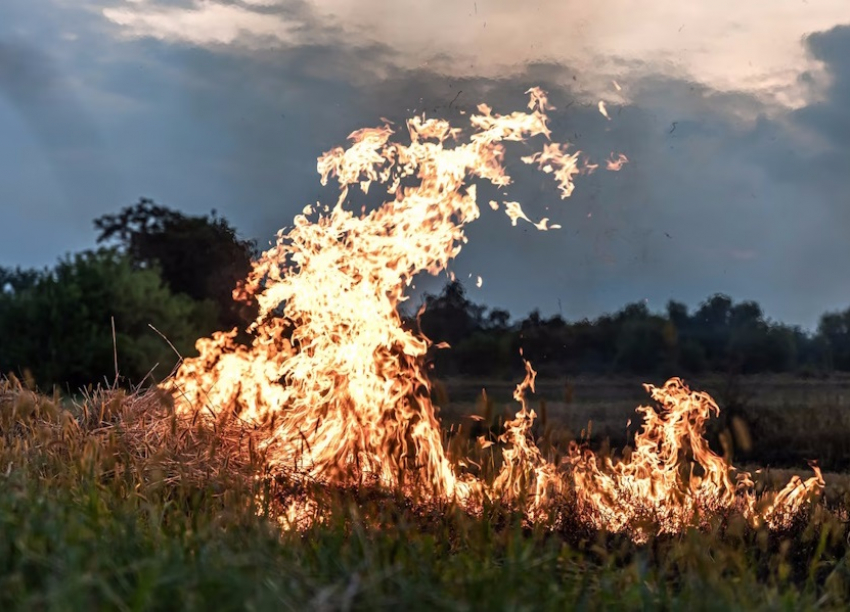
788	420
97	513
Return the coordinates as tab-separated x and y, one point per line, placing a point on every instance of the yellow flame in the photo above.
554	159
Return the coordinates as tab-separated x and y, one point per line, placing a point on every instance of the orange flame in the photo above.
672	478
337	384
525	475
615	164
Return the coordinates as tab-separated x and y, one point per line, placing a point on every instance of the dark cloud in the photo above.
661	228
830	117
806	157
67	140
722	193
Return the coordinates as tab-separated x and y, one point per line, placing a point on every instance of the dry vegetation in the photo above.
776	421
115	502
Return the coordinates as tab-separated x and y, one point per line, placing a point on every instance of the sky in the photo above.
735	117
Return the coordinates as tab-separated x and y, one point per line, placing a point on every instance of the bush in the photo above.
59	329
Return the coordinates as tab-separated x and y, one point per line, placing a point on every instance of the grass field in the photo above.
789	420
95	513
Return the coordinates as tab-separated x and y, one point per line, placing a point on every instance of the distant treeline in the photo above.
719	336
158	267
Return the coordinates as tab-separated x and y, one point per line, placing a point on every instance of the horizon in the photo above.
417	298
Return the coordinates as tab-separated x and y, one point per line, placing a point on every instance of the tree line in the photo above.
159	279
720	336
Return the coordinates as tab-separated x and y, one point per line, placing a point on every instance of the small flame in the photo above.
515	212
615	164
651	483
554	159
603	110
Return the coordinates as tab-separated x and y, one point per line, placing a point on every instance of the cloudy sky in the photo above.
735	116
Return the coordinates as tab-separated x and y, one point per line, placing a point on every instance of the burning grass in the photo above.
336	382
324	426
117	502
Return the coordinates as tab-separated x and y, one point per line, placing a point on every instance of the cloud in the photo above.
662	225
727	45
698	209
67	139
829	118
205	23
729	187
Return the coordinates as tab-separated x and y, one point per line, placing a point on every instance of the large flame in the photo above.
336	382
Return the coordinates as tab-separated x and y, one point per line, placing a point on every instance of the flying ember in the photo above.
336	383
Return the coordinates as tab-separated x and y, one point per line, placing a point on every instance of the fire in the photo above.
526	475
336	385
615	164
672	478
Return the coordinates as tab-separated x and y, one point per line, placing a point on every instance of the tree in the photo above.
711	329
677	313
746	315
17	279
834	328
719	336
484	354
642	347
497	320
60	327
451	317
200	257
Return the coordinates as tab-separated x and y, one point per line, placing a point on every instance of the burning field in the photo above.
326	424
337	385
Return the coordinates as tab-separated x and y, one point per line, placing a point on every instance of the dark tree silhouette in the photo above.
720	336
834	329
200	257
451	317
18	279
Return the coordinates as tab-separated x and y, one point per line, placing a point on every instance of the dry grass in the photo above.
788	421
116	502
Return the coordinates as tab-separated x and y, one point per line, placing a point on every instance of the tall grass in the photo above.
115	503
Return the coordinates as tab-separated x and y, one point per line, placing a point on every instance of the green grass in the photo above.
90	521
90	548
